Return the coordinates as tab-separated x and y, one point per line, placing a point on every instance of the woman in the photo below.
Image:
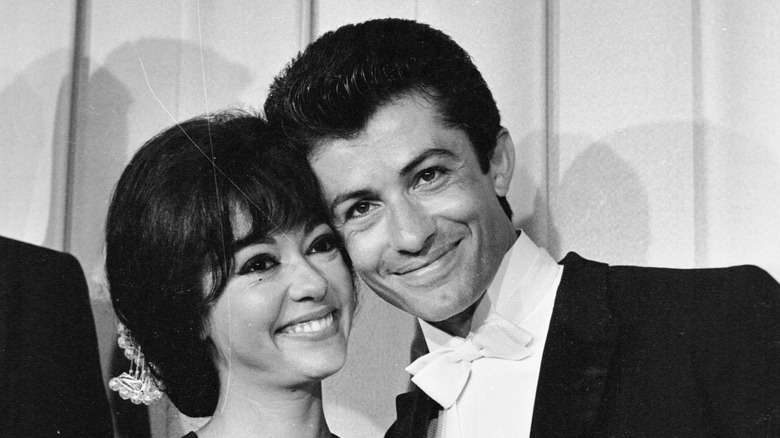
235	295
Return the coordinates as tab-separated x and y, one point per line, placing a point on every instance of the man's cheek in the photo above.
362	250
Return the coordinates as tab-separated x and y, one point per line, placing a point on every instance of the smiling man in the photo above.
406	140
421	218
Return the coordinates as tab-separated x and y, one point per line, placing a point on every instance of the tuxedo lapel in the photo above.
577	354
415	411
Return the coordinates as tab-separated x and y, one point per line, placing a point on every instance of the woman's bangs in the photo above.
278	205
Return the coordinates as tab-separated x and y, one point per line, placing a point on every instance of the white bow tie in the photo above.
443	373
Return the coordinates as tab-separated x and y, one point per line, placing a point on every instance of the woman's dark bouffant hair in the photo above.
169	225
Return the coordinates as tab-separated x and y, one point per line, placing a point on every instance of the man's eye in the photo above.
359	209
428	175
324	243
258	264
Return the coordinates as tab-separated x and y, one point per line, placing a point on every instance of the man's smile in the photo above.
421	268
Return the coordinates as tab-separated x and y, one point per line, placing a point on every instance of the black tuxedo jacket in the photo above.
50	379
649	352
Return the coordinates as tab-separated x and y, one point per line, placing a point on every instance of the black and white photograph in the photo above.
399	218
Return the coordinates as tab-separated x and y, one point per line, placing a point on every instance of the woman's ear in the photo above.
502	162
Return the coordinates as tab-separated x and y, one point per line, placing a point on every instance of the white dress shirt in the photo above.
498	399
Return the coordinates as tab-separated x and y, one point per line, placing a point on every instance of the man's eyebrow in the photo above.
343	197
444	153
406	170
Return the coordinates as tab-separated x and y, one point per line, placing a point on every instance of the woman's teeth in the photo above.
310	326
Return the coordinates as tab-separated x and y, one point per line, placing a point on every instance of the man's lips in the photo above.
420	263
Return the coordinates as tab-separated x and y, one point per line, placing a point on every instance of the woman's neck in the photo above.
247	412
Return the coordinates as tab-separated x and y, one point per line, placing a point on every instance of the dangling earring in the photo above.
137	384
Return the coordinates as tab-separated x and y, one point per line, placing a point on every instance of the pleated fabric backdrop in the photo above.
647	132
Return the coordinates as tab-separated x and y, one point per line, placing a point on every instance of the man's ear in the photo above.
502	162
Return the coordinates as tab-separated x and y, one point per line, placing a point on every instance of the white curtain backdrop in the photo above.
647	132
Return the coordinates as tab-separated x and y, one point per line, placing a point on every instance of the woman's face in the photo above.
284	316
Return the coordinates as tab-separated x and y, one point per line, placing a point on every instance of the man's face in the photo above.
420	220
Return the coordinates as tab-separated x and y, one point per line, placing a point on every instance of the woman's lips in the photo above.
312	323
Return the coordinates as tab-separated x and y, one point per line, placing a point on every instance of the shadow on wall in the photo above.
739	173
27	104
529	198
137	91
598	208
742	176
101	145
601	207
118	110
712	194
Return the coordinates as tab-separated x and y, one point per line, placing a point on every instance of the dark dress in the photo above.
193	435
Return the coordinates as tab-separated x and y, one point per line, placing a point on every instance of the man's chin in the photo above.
429	312
453	321
436	303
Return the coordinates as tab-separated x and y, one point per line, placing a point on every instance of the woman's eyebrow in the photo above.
251	239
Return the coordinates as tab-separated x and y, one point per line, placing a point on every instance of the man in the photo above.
405	138
51	382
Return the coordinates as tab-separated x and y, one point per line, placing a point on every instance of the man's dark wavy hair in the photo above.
331	90
169	227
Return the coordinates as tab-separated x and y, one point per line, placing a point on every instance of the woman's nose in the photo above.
307	282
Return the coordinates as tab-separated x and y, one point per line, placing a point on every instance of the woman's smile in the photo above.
312	326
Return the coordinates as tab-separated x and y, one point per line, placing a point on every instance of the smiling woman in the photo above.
285	309
234	294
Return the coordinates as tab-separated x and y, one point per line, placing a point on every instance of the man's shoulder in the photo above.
634	293
712	334
38	270
643	277
15	252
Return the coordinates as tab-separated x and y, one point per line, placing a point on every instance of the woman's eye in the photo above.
258	264
324	243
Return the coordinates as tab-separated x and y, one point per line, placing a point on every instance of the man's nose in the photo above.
307	283
411	228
